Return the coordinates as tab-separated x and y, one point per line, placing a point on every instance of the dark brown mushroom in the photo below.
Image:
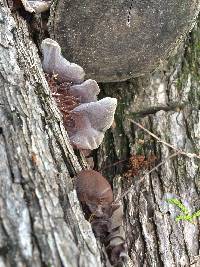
94	191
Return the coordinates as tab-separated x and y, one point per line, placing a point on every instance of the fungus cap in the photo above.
91	121
54	63
100	113
93	188
86	91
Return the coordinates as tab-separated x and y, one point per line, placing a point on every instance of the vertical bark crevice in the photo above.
39	208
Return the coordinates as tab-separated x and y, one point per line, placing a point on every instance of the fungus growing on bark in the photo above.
30	6
116	246
54	63
94	191
91	121
85	92
16	4
96	196
88	121
40	6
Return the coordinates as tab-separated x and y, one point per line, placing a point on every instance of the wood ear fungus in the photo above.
54	63
91	121
91	117
94	191
95	194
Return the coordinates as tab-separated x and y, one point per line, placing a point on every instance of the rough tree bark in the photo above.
167	103
41	222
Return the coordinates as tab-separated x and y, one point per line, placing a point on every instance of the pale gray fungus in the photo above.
91	121
35	6
40	6
54	63
86	92
27	6
91	118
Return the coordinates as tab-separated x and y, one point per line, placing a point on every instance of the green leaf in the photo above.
196	214
179	204
185	216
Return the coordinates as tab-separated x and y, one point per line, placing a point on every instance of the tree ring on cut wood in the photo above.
118	39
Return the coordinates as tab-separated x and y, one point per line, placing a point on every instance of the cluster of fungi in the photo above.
89	118
86	119
106	216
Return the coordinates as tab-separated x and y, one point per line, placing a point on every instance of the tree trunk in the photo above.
41	222
166	103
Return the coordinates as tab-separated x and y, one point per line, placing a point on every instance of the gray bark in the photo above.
41	223
167	103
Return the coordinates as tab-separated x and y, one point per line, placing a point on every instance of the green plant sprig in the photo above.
185	215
